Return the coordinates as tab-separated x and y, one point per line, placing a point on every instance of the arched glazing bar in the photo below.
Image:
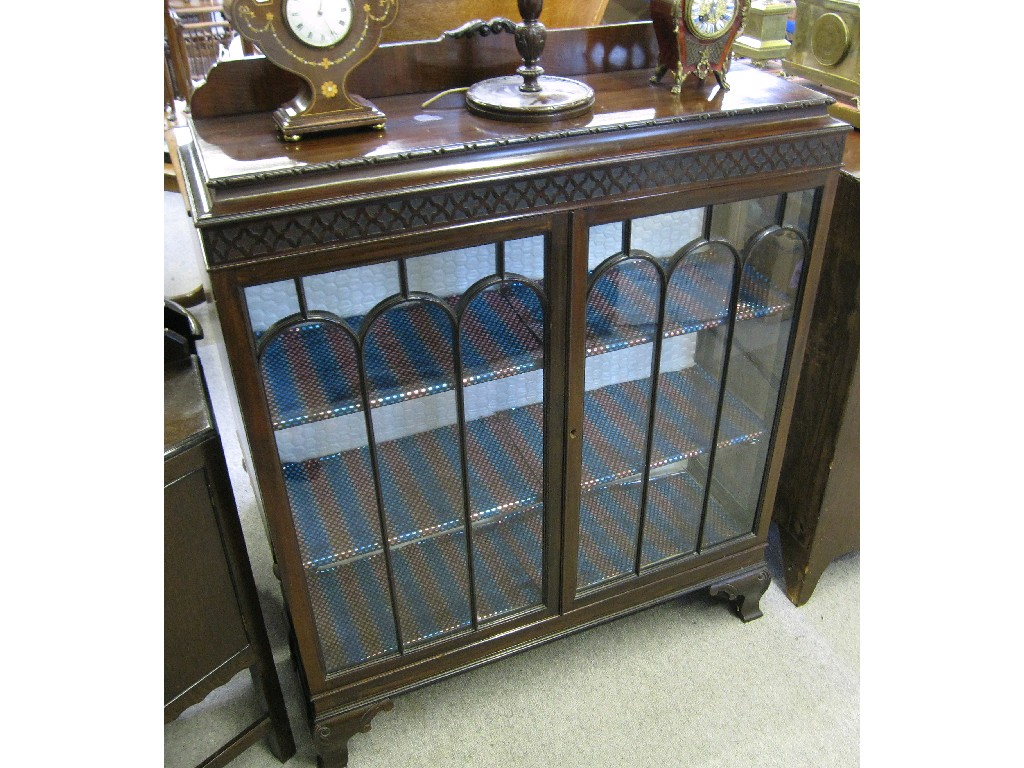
771	281
624	320
700	296
331	489
406	342
502	327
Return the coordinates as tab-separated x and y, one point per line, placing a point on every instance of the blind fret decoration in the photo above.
499	382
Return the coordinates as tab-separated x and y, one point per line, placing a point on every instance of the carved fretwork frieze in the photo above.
289	232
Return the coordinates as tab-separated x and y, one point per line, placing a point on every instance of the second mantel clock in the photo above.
321	41
696	36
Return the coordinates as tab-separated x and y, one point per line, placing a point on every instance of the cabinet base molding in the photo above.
331	734
745	592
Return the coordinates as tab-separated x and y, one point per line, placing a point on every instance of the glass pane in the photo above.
605	240
429	413
351	293
269	303
451	273
526	257
409	351
502	334
352	612
699	291
770	281
310	373
622	321
799	210
663	235
737	222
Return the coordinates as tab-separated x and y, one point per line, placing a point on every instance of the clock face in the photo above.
710	19
319	23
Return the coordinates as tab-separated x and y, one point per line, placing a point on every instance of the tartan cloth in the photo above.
311	370
610	517
615	424
335	507
622	308
311	373
335	511
353	611
614	449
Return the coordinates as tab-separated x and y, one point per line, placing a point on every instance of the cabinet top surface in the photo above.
241	157
187	417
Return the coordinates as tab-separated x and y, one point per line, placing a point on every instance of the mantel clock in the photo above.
826	50
321	41
696	36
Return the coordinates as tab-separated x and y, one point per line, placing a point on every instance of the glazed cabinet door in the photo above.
689	317
407	399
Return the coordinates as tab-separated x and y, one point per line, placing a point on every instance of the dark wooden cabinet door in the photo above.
689	323
407	400
203	628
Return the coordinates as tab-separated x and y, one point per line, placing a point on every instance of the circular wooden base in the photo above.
500	98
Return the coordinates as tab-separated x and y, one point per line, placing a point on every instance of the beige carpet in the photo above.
683	684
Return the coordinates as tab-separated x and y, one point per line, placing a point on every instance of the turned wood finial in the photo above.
530	38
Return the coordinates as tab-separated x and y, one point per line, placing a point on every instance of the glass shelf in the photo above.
311	375
431	588
687	403
337	518
335	506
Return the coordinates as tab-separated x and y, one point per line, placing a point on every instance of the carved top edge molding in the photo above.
284	233
448	150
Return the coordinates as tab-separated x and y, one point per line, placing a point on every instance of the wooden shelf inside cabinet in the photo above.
503	382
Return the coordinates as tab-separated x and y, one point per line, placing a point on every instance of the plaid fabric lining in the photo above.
356	625
432	583
335	508
311	373
724	524
311	369
615	425
507	563
614	449
335	512
673	517
609	519
622	307
353	622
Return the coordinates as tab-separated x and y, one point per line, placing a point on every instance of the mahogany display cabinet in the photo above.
504	381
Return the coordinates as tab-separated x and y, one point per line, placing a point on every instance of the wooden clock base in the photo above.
294	124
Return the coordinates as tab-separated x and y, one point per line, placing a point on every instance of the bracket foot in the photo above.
745	592
331	734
